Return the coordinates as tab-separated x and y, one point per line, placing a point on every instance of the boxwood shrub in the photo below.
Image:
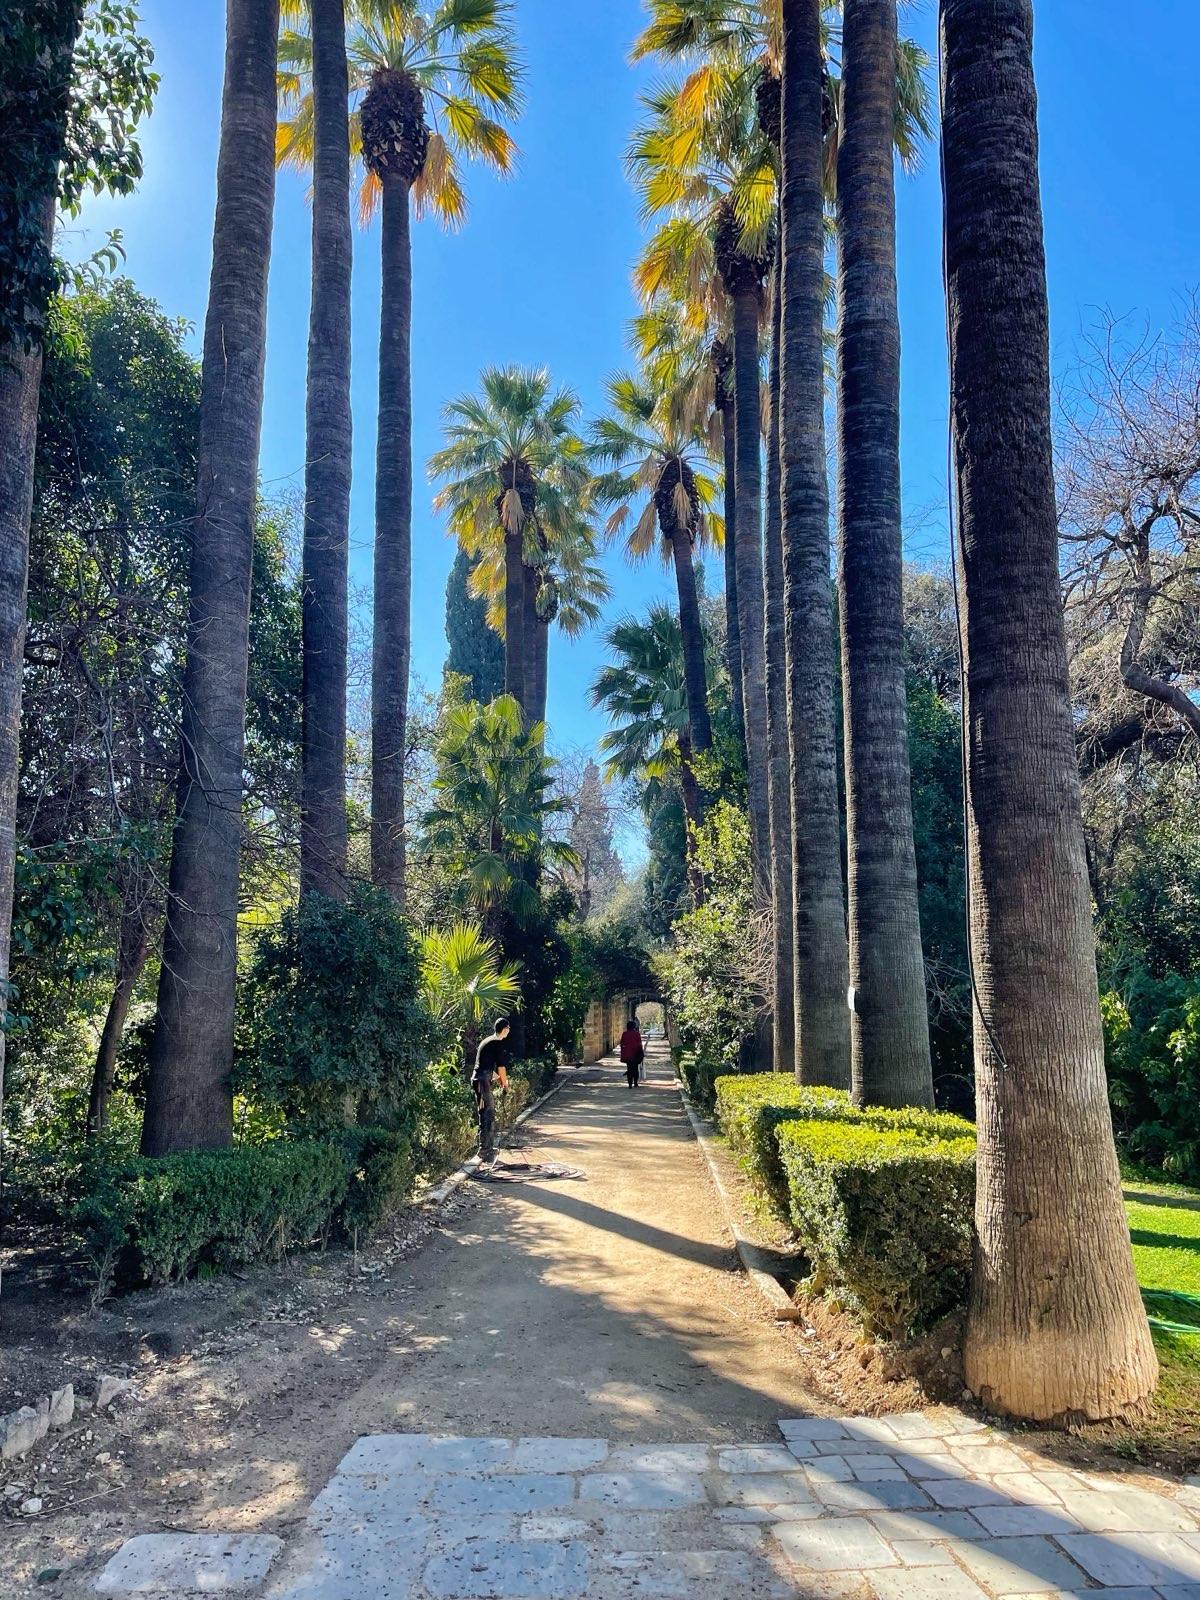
885	1216
751	1107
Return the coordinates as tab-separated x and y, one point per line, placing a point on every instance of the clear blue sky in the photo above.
541	272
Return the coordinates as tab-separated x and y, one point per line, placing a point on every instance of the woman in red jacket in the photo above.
632	1053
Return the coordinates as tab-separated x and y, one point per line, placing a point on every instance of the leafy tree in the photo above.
464	981
476	652
429	86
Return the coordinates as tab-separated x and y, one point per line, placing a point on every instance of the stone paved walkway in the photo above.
610	1311
931	1504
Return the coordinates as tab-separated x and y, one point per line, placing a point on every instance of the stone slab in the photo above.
757	1458
557	1455
642	1491
842	1544
929	1583
424	1452
207	1562
518	1569
1019	1566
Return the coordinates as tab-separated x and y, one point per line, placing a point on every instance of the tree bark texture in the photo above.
327	471
189	1104
821	961
694	675
393	548
516	655
748	415
733	642
133	947
778	775
889	1025
1056	1328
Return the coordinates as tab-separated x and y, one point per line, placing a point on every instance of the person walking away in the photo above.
490	1061
633	1053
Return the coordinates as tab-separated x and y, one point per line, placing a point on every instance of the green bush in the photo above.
333	1028
381	1169
154	1220
1152	1052
700	1077
751	1107
885	1216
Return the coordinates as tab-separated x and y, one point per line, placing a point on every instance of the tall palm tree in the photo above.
1055	1325
429	85
889	1024
820	950
325	560
715	173
650	452
644	694
518	489
189	1104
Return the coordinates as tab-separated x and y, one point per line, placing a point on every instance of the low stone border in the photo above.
448	1185
21	1429
756	1262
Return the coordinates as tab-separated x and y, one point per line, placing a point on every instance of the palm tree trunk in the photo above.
393	547
695	677
515	649
821	961
748	421
693	816
327	473
1055	1326
189	1104
535	652
889	1025
733	643
778	775
133	946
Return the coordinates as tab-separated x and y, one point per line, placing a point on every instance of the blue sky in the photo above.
541	272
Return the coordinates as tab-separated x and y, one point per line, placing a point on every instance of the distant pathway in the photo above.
590	1403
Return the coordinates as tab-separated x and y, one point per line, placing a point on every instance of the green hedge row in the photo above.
750	1108
885	1215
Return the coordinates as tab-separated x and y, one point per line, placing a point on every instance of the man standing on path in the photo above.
633	1053
489	1063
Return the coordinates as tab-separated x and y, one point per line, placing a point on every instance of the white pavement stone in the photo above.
516	1492
873	1496
642	1491
986	1460
153	1562
713	1574
516	1569
812	1428
933	1465
931	1583
757	1458
660	1458
928	1525
832	1469
1012	1520
878	1469
921	1553
1027	1488
764	1489
554	1528
1018	1566
1157	1559
958	1492
1130	1510
917	1425
423	1452
557	1455
356	1502
361	1564
843	1544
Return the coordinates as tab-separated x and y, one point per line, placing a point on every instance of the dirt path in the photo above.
605	1306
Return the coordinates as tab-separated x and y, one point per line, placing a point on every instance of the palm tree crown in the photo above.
644	696
429	85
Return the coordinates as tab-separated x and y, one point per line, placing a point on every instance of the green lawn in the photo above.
1166	1254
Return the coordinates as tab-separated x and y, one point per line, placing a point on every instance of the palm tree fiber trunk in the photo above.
733	643
1055	1327
889	1025
821	960
515	647
189	1105
778	776
393	548
695	677
327	473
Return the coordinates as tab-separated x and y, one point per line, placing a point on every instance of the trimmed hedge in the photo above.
885	1216
752	1107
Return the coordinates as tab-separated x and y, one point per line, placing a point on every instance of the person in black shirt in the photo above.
490	1061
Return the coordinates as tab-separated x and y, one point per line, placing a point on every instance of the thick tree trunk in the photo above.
133	946
748	417
733	642
778	775
189	1105
889	1026
694	675
693	816
327	472
515	647
821	962
393	548
1056	1328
